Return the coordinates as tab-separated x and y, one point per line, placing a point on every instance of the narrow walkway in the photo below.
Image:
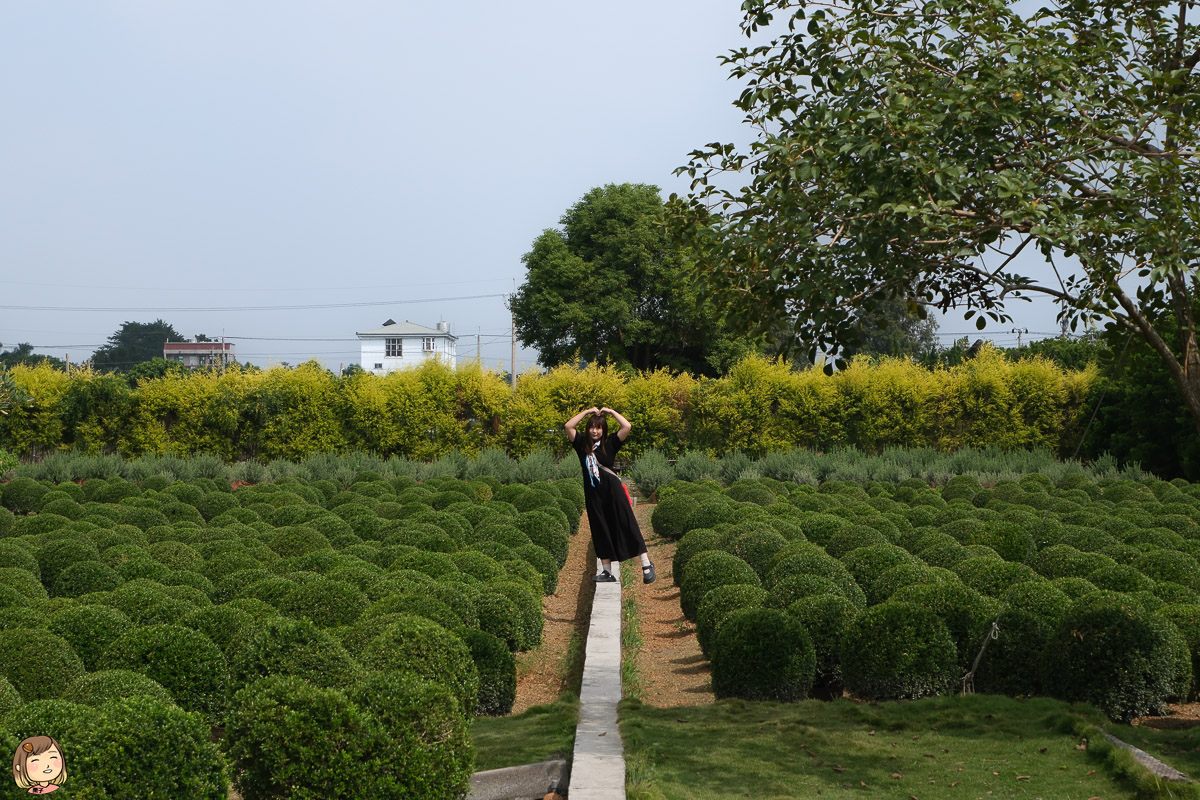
598	766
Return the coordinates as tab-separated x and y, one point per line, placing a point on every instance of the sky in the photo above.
285	174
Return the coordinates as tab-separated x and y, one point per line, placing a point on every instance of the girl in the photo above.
615	533
38	765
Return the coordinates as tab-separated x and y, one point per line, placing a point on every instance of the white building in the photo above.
397	345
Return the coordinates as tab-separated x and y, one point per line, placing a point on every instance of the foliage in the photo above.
38	664
762	654
185	662
133	343
430	651
497	671
898	650
291	647
705	572
609	287
97	688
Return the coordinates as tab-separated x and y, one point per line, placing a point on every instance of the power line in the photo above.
163	310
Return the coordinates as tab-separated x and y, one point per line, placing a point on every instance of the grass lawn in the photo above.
540	734
951	748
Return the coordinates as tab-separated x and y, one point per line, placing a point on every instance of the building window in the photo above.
393	348
379	366
428	344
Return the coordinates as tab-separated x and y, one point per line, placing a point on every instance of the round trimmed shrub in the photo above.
1170	565
39	664
55	556
22	495
808	559
65	721
84	577
185	662
544	563
280	646
793	587
97	688
1120	578
708	570
1063	560
901	575
826	618
1112	653
326	602
762	654
1186	618
1011	663
225	625
430	651
17	554
1074	588
416	603
288	738
10	698
90	629
432	755
993	577
963	610
718	604
693	542
147	602
298	540
176	555
867	565
529	609
758	548
673	516
1040	598
497	671
898	651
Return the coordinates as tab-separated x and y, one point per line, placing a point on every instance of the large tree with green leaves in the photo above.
960	154
133	343
610	285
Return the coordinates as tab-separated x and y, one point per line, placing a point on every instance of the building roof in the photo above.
405	328
197	347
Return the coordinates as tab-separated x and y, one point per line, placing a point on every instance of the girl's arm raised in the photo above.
569	425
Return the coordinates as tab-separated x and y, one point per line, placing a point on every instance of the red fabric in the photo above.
627	497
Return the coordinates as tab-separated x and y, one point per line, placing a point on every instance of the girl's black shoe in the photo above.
648	574
605	577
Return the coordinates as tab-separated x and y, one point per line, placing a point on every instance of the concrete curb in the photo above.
528	782
1158	768
598	766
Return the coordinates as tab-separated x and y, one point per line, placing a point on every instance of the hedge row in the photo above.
759	407
891	590
342	635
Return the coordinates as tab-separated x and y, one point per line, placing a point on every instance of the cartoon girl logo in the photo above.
38	765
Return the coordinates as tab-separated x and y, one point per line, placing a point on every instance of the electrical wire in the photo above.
163	309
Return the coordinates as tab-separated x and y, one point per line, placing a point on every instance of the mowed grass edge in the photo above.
945	748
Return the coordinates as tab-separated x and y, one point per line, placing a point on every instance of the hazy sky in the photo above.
209	162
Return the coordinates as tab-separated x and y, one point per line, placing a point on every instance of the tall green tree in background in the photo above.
611	286
23	354
931	150
133	343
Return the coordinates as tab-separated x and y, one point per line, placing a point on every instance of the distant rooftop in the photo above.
406	328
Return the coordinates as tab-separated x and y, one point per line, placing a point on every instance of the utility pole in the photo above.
513	330
1019	332
67	358
477	345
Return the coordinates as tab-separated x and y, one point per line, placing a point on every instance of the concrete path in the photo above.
598	766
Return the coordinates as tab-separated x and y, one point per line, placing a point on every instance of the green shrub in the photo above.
544	563
650	471
672	517
694	541
67	722
84	577
1173	566
430	651
529	609
963	610
808	559
894	578
326	602
868	564
718	604
38	663
1120	578
993	577
279	646
1063	560
432	755
1186	618
1112	653
416	603
898	650
793	587
298	540
146	602
759	548
287	738
762	654
708	570
22	495
225	625
184	661
10	698
1011	663
826	618
90	629
97	688
55	556
497	670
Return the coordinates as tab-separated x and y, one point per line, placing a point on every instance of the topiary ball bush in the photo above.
90	629
97	688
430	651
1011	663
719	604
281	646
327	603
708	570
898	651
432	754
288	738
1111	652
39	664
826	618
694	542
762	654
497	669
184	661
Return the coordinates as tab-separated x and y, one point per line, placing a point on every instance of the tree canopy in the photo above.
23	353
933	150
611	286
133	343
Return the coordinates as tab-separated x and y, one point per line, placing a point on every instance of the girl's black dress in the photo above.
615	532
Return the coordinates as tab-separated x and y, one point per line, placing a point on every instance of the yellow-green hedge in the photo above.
761	406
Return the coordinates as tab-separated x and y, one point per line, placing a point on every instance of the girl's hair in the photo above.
35	746
599	421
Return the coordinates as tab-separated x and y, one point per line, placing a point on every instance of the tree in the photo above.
133	343
610	286
928	150
23	354
896	330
